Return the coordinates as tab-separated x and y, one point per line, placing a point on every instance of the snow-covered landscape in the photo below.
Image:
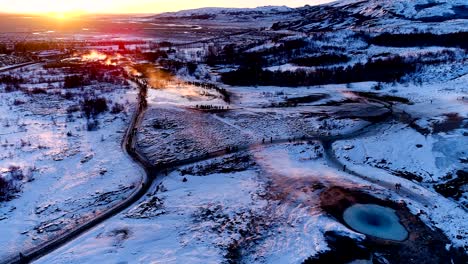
332	133
58	172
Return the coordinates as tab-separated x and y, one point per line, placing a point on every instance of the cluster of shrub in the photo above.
13	84
384	70
92	107
237	54
154	56
3	49
81	75
32	46
74	81
10	79
173	66
8	183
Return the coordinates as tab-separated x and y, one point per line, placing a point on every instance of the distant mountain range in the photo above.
393	14
376	13
216	11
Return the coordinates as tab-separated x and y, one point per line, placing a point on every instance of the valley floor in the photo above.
258	204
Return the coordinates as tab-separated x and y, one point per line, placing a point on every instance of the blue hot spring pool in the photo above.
375	220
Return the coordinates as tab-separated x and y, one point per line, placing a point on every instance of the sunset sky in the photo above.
134	6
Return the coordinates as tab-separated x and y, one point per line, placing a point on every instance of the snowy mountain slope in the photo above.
260	17
378	13
418	9
437	14
409	9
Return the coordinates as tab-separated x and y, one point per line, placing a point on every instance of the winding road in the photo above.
151	173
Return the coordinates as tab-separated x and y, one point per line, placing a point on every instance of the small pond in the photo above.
375	220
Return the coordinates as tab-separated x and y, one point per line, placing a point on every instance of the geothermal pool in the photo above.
375	220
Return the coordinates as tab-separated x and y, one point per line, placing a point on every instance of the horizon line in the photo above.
88	13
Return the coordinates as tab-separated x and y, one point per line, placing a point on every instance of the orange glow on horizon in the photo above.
64	15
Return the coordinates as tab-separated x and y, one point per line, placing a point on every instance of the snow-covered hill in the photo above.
216	11
442	15
402	15
428	10
260	17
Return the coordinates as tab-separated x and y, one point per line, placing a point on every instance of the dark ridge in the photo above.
421	40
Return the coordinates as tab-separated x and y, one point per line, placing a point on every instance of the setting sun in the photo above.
60	16
63	15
